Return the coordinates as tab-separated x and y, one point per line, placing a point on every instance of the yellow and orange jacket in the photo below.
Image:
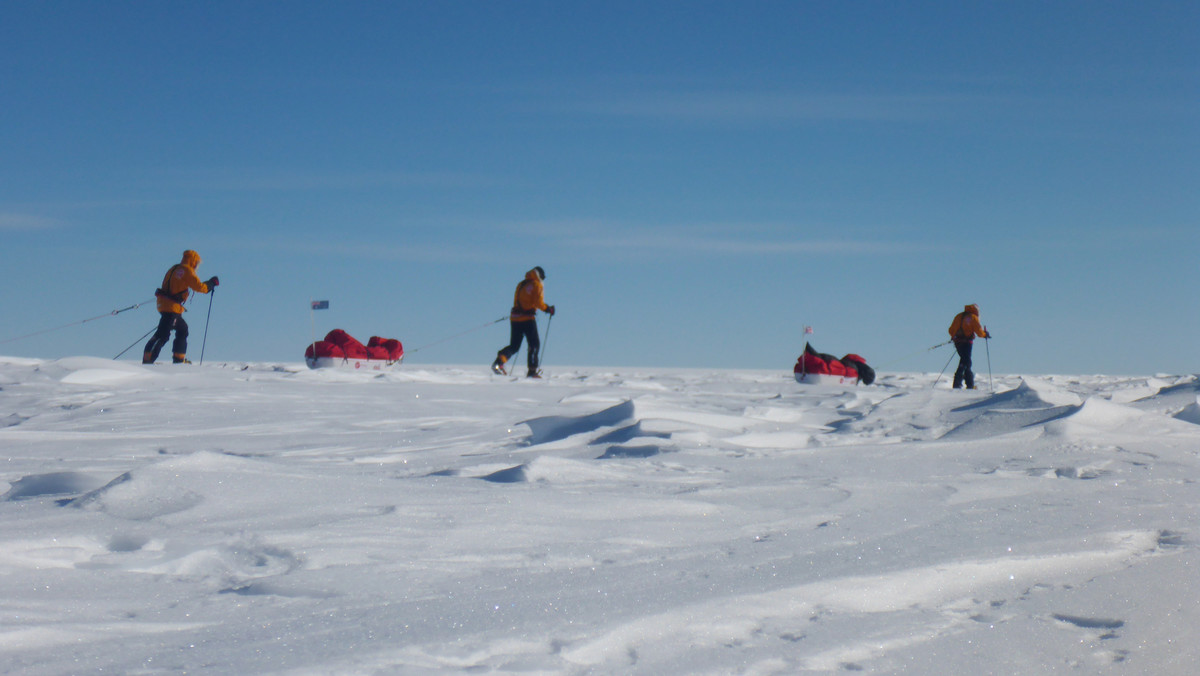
528	298
966	326
178	284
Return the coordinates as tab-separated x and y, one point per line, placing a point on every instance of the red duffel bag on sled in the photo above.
340	349
818	368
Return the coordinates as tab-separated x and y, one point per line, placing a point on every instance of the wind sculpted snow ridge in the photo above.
263	518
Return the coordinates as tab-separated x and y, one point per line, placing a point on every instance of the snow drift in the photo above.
268	518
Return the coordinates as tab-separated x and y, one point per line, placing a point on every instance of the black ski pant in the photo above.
525	329
170	321
964	373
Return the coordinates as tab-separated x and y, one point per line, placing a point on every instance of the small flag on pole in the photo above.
320	305
807	330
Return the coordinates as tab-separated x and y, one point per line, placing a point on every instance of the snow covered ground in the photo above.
263	518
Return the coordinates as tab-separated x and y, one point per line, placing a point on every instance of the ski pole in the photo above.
987	345
545	342
935	382
212	292
135	343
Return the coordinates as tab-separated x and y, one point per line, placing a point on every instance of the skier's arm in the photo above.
193	281
980	331
539	298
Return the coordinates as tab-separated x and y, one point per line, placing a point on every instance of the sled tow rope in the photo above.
457	335
82	321
897	361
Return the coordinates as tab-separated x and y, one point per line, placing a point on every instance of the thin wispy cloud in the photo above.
923	99
464	253
726	239
27	222
679	244
733	106
592	240
271	180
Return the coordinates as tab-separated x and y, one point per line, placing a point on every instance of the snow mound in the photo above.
508	475
1191	388
1190	413
556	428
1098	415
95	371
693	417
568	471
1032	393
1102	414
551	469
1032	403
230	566
138	497
1173	400
776	440
162	488
998	422
637	430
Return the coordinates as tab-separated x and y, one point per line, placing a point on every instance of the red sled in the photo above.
817	368
342	350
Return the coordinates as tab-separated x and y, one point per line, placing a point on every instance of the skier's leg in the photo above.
165	323
964	363
514	344
535	346
179	347
969	376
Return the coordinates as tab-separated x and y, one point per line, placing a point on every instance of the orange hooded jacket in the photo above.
966	326
528	298
178	283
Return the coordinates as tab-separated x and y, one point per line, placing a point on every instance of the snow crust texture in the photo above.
264	518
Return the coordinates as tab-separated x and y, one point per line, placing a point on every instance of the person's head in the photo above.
540	272
191	259
972	309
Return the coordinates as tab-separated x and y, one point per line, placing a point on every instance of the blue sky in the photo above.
700	180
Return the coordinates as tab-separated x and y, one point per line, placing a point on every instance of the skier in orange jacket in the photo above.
963	331
527	300
177	285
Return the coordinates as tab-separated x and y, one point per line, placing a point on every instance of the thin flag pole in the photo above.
313	306
808	331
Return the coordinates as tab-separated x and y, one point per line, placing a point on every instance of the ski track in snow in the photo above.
263	518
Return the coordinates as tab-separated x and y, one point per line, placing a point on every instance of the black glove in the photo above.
213	281
550	310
